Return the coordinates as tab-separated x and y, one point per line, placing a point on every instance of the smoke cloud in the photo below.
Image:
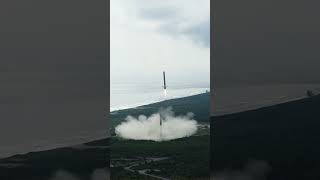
98	174
64	175
148	128
254	170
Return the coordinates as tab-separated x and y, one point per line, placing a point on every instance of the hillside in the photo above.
198	104
286	136
62	163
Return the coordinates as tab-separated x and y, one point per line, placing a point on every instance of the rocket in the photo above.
164	80
165	93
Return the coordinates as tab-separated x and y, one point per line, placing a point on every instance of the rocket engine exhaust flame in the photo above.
165	92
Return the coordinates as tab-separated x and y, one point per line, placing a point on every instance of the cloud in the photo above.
158	14
200	33
179	18
150	36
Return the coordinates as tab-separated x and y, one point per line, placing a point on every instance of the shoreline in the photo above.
255	107
65	144
295	100
137	105
275	135
230	100
82	161
56	146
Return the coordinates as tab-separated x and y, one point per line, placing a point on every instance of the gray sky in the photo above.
148	36
266	41
267	51
53	70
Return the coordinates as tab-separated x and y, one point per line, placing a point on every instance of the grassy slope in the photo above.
287	136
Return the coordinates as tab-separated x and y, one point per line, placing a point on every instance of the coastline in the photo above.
230	100
254	107
138	159
80	161
70	142
197	104
91	155
157	100
276	135
73	142
47	146
52	148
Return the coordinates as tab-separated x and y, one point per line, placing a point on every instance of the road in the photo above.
144	172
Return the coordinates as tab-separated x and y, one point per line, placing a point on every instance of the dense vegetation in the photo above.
188	157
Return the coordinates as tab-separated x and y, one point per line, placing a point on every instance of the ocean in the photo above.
124	95
46	110
228	100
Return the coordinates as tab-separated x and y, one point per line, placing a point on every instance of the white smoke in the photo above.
148	128
64	175
98	174
254	170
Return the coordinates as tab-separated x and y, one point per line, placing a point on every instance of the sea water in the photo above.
126	95
228	100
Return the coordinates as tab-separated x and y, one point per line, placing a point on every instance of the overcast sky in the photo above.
149	36
266	41
53	71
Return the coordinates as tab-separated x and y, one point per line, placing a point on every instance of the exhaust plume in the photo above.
98	174
148	128
254	170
